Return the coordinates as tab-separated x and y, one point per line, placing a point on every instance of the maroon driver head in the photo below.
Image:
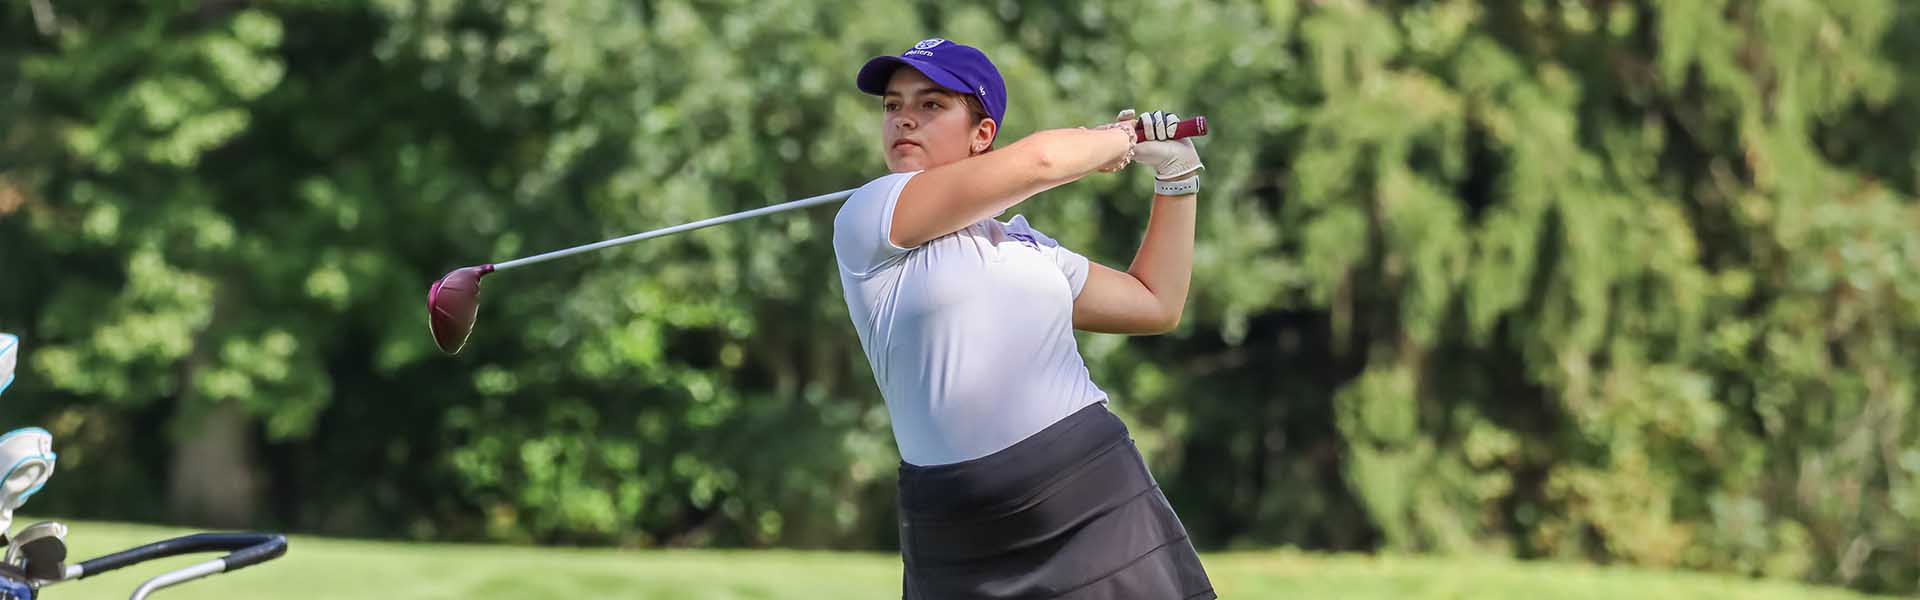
452	304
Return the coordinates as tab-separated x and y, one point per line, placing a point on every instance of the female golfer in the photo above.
1015	480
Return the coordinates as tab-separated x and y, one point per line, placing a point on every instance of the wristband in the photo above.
1184	187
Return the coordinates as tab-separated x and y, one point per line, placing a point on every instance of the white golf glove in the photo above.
27	456
1171	159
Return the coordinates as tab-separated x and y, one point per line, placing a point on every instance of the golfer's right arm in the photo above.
950	197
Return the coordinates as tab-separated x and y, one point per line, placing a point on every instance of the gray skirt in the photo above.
1070	513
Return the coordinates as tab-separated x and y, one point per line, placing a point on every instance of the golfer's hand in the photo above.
1171	159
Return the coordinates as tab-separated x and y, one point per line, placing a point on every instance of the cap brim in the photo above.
874	76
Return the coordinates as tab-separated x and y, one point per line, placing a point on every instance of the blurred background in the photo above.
1596	282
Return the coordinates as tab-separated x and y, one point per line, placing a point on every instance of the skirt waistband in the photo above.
1003	480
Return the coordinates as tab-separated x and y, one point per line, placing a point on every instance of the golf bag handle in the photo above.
244	550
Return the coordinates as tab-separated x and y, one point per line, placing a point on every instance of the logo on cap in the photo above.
929	43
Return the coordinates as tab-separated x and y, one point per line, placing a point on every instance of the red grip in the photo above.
1186	128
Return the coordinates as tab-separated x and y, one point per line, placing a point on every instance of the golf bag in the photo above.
36	555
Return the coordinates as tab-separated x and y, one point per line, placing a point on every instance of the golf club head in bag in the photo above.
40	550
28	454
9	357
452	304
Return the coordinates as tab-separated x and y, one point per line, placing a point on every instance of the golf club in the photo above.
453	302
40	549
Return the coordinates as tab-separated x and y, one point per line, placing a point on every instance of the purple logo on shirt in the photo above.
1026	239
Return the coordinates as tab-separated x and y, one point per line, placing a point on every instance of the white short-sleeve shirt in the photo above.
970	335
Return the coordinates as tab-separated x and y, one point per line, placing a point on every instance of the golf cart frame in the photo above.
244	550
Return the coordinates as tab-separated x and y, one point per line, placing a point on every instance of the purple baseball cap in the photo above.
952	65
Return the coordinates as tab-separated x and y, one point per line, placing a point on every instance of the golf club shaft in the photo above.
1196	126
745	214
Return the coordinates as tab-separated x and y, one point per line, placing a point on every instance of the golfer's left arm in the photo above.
1150	295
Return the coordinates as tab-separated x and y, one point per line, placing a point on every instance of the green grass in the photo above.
337	568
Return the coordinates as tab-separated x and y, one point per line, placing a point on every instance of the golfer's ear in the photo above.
983	135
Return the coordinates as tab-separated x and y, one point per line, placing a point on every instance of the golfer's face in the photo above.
923	125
